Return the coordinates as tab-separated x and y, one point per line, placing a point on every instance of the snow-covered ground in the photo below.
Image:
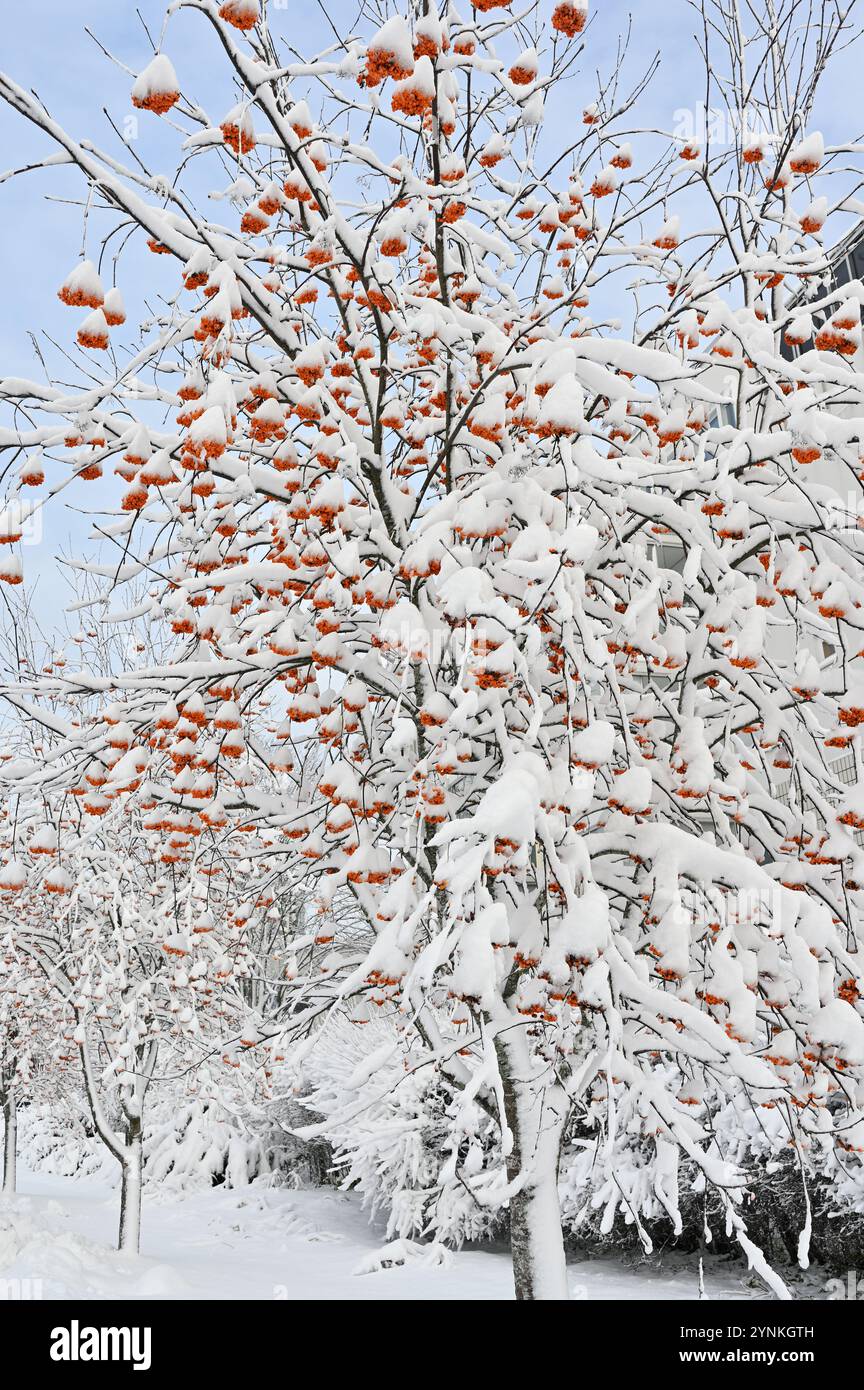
273	1243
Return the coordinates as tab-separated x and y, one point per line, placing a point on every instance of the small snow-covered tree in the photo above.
130	935
472	615
28	1026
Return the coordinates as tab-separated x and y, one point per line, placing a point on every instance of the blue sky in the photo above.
44	46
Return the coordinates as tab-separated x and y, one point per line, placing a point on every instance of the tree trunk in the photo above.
130	1189
10	1141
536	1113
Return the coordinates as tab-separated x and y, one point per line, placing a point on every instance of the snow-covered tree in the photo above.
474	614
112	948
127	943
28	1026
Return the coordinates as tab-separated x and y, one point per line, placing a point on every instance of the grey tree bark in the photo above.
10	1141
536	1113
131	1165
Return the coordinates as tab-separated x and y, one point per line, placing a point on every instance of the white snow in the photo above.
263	1242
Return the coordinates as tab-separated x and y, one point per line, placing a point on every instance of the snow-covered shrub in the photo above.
189	1143
387	1112
57	1137
294	1160
201	1143
611	1195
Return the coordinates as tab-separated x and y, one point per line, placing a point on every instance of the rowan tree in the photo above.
28	1025
417	521
129	933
